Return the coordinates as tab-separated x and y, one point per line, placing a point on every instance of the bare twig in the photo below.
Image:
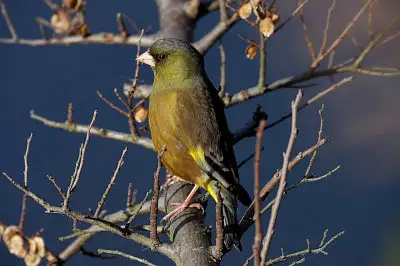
282	184
306	36
294	13
99	38
320	250
23	208
116	252
222	81
75	177
10	26
321	126
154	200
129	202
53	181
207	41
121	26
101	132
219	242
326	29
340	38
112	105
258	231
222	10
103	223
312	100
112	181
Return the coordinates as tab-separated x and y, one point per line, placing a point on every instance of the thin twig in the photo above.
101	132
306	36
23	208
129	202
112	105
263	61
116	252
340	38
105	38
69	114
75	177
121	26
103	223
154	200
222	81
219	242
53	181
321	127
282	184
294	13
112	181
326	29
320	250
222	10
258	231
9	23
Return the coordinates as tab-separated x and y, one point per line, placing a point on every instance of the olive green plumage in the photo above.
187	116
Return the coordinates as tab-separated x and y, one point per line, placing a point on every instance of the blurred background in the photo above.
361	125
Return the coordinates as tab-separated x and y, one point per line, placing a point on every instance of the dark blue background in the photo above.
361	124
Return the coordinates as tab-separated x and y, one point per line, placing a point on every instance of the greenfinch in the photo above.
187	119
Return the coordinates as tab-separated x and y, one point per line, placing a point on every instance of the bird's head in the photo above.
173	59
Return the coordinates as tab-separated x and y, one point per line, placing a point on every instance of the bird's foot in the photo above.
180	207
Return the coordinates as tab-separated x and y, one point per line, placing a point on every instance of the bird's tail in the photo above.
232	233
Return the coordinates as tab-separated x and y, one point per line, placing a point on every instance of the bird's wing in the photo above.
209	141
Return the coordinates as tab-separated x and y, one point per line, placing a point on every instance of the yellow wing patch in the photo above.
198	155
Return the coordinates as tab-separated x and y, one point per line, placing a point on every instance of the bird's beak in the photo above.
146	58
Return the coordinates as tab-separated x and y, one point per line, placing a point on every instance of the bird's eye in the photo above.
161	57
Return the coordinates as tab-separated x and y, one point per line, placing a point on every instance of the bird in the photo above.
187	121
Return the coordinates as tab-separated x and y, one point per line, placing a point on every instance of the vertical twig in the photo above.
219	242
131	121
263	61
326	29
122	26
282	184
306	36
10	26
222	11
69	116
129	197
222	81
112	181
257	201
23	208
79	164
154	200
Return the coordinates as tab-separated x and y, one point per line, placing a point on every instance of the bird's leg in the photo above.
180	207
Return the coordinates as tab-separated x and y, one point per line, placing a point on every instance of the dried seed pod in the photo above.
32	259
15	242
60	22
141	114
251	51
267	27
40	246
245	10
